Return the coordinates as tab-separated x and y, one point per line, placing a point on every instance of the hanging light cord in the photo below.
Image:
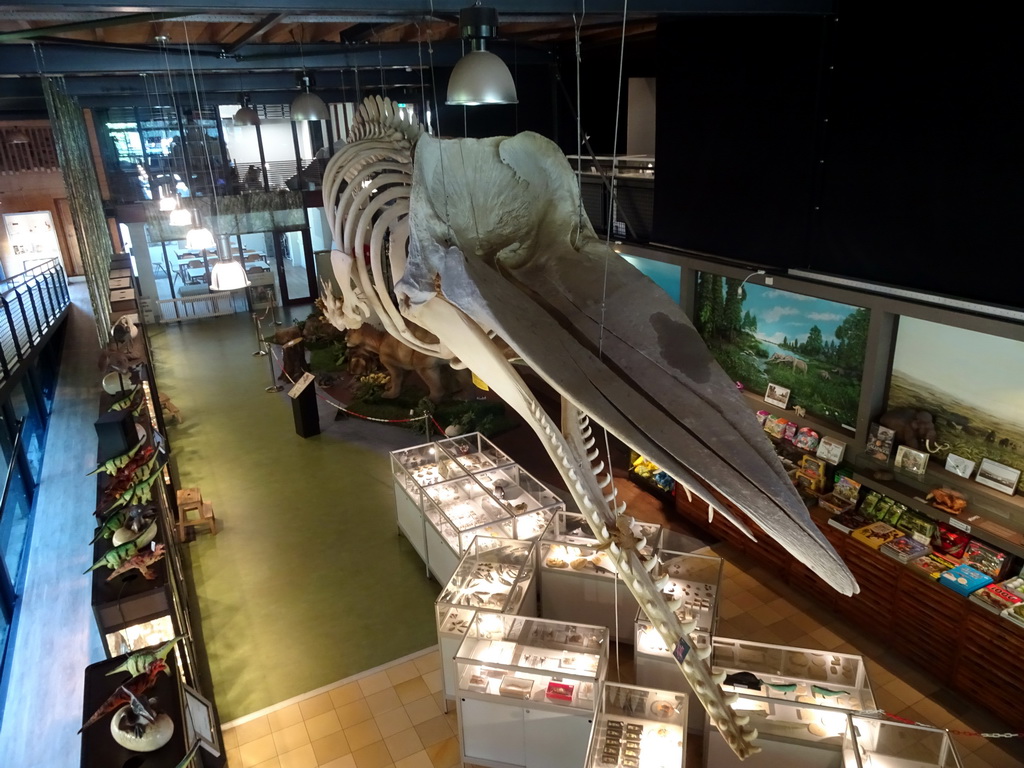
578	27
433	84
206	148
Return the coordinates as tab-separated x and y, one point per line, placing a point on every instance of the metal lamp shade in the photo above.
228	276
480	77
180	217
169	204
200	239
309	106
246	115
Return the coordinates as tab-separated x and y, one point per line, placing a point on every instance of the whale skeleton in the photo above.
477	251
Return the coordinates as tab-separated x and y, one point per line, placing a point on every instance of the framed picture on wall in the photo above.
909	460
777	396
998	476
958	465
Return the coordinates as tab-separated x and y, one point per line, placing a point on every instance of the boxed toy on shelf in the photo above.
876	534
964	579
904	549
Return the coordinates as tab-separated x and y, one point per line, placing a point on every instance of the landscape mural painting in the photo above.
971	384
760	334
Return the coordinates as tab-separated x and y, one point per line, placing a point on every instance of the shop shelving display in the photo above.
528	690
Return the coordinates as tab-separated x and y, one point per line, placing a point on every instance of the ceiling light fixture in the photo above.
309	106
200	239
228	275
480	77
246	114
181	217
17	136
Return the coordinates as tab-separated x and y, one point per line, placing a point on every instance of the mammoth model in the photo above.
480	253
914	429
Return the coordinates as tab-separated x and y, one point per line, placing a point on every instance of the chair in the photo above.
193	512
251	257
194	264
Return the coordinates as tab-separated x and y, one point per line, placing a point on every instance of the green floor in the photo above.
307	581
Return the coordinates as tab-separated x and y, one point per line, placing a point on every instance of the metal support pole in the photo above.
260	351
274	386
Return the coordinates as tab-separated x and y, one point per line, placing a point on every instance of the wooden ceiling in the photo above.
282	29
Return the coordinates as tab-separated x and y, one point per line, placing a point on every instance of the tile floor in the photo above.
394	716
388	717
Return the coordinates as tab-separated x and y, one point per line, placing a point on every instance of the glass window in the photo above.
14	519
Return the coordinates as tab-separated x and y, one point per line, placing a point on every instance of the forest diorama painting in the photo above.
971	384
813	347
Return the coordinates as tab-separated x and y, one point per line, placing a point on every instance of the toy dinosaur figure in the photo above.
139	662
141	560
136	517
111	466
139	468
137	686
140	493
126	402
119	555
140	716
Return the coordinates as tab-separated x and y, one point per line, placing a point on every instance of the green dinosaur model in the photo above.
139	662
110	466
116	557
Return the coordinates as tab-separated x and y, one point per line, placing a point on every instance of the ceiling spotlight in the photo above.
246	115
309	106
480	77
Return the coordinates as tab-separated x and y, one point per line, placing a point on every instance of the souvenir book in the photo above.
964	579
876	534
904	549
880	441
848	521
933	565
996	598
986	559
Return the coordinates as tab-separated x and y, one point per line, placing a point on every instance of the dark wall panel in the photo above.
923	151
737	99
882	144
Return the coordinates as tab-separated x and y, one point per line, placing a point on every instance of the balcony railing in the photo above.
30	305
38	153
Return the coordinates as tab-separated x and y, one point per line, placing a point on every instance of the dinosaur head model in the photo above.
479	252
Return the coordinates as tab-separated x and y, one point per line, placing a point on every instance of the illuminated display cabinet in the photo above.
639	727
696	579
577	577
495	576
528	690
449	492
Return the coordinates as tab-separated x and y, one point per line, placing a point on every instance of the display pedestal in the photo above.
305	413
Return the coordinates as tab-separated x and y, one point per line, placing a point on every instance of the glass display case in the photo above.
448	493
494	576
639	727
695	579
826	678
871	743
528	689
577	577
530	502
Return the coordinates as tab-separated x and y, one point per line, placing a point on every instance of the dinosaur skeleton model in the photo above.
478	252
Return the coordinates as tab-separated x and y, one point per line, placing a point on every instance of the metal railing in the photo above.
30	304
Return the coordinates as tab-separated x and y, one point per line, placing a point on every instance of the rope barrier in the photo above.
899	719
334	404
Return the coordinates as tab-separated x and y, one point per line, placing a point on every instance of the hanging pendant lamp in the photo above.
309	106
200	239
480	77
17	136
246	114
180	217
228	275
169	203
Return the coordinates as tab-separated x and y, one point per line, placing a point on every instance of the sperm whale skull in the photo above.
478	251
